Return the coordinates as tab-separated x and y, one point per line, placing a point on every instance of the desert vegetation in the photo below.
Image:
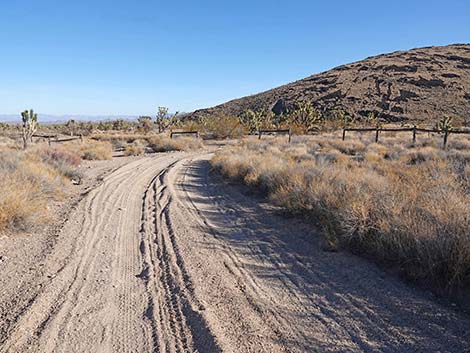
400	203
29	181
34	173
32	178
91	150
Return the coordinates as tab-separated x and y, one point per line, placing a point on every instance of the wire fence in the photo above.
57	139
414	130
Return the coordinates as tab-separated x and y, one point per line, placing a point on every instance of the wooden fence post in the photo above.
344	133
259	135
49	140
414	133
446	134
377	135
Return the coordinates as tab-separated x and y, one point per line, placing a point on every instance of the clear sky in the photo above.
127	57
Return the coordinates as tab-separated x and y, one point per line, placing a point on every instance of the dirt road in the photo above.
163	256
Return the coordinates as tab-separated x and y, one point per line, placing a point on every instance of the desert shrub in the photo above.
222	127
7	142
402	206
145	124
165	144
350	147
216	127
421	155
134	149
27	184
91	150
66	162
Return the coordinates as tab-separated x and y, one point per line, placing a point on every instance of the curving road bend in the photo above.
164	256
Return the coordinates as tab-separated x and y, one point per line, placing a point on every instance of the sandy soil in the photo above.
163	256
23	255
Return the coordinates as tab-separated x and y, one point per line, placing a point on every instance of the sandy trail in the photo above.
165	257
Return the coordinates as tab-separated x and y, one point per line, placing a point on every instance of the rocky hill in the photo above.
418	85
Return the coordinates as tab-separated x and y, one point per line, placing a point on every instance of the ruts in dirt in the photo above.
164	256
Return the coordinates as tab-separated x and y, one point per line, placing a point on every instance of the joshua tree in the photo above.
374	120
249	119
120	124
30	125
305	114
280	119
255	120
161	118
344	118
445	124
85	127
4	126
144	124
174	119
71	126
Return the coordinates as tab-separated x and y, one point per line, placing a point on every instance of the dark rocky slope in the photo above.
418	85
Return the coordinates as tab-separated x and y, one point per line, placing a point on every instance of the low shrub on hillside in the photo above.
407	206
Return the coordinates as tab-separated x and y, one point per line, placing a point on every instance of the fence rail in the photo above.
173	133
55	138
275	131
412	129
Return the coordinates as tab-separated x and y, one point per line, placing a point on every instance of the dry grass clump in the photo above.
91	150
7	142
134	149
31	179
166	144
64	161
403	206
27	184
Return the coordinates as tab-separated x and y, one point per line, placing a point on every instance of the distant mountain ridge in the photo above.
417	85
58	119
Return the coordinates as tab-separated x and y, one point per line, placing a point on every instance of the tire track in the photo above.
161	258
172	307
96	301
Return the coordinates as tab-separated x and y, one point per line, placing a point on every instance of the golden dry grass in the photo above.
134	149
402	204
90	149
27	184
31	179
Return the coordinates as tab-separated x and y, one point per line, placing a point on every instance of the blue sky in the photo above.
127	57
